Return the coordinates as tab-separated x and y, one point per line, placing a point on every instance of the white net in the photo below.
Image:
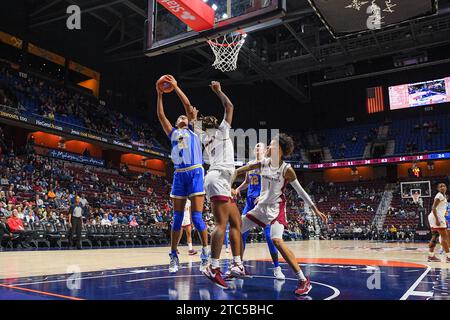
226	51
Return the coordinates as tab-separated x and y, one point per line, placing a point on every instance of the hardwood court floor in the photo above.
141	273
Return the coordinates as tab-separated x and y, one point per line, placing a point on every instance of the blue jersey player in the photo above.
188	178
252	183
447	217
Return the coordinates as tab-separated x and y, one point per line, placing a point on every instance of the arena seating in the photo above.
430	133
336	138
144	198
39	97
411	135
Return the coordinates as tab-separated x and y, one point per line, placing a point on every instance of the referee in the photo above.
75	222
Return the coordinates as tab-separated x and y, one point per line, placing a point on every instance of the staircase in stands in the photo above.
384	205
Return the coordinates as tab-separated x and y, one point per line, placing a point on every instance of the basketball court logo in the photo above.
73	22
374	280
73	282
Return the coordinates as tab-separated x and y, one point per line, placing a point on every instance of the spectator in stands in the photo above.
51	194
105	221
3	229
121	219
133	222
311	230
62	219
30	217
393	233
401	233
15	226
39	202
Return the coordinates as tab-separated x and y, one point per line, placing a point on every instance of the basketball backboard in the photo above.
166	32
408	189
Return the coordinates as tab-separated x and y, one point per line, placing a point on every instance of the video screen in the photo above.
419	94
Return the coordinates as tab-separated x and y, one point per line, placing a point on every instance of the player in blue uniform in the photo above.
188	178
447	217
252	183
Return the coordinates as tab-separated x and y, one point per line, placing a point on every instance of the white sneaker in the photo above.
278	274
174	262
237	271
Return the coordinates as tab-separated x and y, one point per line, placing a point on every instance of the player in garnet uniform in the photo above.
438	223
219	148
271	207
252	183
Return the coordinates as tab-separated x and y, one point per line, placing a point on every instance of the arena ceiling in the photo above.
286	54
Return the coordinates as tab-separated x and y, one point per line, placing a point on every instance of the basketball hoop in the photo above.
226	50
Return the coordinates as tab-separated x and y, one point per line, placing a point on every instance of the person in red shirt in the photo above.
15	225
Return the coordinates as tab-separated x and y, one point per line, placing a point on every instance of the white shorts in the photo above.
262	215
186	219
433	223
218	185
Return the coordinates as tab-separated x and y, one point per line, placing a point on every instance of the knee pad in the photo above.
177	220
198	222
276	232
272	248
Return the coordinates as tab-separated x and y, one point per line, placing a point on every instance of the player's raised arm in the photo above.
165	123
243	186
226	102
189	109
244	169
291	177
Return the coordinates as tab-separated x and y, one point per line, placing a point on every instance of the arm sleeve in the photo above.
302	193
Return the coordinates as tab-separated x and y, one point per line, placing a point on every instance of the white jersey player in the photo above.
187	227
438	223
187	214
220	152
271	207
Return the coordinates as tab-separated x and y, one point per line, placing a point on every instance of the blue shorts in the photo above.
448	221
188	183
249	205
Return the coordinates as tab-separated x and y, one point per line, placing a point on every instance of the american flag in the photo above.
375	100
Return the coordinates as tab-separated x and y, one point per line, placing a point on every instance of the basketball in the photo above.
164	85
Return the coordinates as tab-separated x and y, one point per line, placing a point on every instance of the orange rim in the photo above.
233	44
